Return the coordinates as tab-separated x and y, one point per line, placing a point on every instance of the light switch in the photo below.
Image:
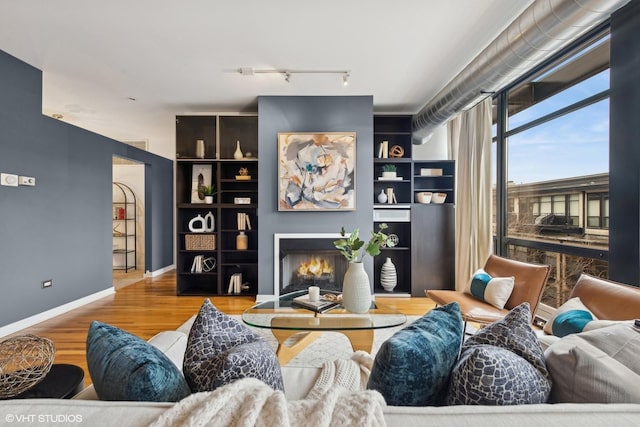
9	179
26	180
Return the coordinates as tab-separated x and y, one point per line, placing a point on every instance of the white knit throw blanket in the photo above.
338	398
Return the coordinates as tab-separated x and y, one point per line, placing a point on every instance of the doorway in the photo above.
128	221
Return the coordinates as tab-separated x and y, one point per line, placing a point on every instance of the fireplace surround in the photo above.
307	259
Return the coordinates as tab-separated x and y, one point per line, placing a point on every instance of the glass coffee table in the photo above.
285	319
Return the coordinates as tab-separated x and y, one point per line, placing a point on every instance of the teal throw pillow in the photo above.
571	322
125	367
493	290
572	317
221	350
412	367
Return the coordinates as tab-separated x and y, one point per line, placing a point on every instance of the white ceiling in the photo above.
176	57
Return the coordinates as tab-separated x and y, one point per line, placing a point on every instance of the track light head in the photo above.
250	71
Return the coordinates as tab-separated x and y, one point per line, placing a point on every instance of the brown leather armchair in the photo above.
529	282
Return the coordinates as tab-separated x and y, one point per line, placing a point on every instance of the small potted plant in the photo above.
353	248
209	191
356	291
389	171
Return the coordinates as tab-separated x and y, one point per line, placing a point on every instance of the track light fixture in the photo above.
250	71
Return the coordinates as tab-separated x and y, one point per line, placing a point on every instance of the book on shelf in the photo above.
319	306
235	284
383	151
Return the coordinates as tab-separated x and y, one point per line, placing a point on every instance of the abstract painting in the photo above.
316	171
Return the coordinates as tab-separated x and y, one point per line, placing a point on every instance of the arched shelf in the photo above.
124	227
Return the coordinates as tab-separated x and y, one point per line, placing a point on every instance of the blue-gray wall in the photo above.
311	114
61	228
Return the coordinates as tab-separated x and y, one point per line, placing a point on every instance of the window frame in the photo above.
502	240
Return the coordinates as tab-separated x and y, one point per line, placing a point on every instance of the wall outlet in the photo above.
47	283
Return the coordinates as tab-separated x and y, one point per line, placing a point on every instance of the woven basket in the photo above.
200	242
24	362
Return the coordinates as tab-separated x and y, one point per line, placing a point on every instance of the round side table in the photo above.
61	382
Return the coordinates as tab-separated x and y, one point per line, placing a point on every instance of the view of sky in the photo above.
576	144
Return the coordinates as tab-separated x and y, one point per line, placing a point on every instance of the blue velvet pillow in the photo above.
412	367
125	367
221	350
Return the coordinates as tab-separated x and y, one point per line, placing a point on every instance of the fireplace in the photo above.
308	259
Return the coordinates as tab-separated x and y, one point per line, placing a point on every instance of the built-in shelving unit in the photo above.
234	205
124	227
423	255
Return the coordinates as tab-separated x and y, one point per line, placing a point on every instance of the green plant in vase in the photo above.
356	290
209	191
389	171
353	248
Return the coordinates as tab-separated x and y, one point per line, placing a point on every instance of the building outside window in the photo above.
555	145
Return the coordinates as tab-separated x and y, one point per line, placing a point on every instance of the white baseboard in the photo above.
263	298
392	295
159	272
46	315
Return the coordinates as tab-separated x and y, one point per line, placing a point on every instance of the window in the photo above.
555	143
598	210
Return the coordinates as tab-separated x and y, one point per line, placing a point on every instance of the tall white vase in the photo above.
238	153
388	275
356	291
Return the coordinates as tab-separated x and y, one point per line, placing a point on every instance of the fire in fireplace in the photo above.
315	270
311	260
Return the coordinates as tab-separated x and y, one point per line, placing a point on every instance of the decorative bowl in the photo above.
424	197
438	198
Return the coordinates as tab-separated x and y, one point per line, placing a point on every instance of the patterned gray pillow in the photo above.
221	350
503	364
488	375
514	333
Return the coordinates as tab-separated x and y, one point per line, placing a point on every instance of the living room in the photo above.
64	234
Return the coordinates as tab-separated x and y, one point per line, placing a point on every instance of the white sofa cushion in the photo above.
599	366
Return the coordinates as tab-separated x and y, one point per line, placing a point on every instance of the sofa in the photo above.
607	299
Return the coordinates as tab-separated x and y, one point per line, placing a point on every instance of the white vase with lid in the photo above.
356	291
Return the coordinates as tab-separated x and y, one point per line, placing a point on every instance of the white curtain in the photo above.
469	138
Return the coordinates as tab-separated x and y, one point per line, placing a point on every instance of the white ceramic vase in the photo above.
200	148
382	197
238	153
388	275
356	291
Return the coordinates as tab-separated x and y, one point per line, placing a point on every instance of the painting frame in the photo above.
317	171
201	175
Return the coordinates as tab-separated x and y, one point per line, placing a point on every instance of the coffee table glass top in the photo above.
283	314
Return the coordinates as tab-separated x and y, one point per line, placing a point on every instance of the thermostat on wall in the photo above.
9	179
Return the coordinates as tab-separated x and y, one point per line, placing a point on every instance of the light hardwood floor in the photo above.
148	307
